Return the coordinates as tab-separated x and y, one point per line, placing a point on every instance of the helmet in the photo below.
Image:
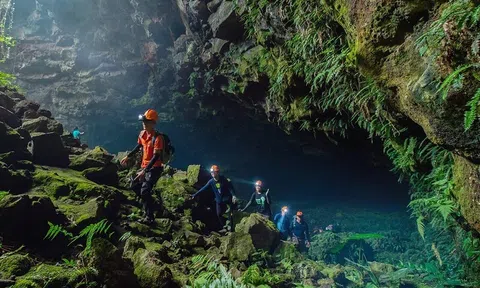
149	115
285	208
214	168
258	183
299	213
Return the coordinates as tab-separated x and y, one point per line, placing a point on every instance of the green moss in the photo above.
149	270
51	276
82	215
174	193
57	182
14	265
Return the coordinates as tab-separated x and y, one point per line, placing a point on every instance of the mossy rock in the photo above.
263	232
107	260
288	251
151	272
465	175
14	265
106	175
97	157
52	276
57	182
84	214
180	176
237	246
132	244
11	140
174	193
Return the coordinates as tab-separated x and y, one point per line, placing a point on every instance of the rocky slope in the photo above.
67	220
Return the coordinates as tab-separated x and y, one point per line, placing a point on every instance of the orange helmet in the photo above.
284	208
299	213
149	115
258	183
214	168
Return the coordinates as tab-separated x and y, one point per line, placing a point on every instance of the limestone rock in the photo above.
150	272
9	118
45	113
263	232
48	150
180	176
225	23
197	177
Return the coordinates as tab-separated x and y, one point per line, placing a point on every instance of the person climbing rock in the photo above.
76	136
282	222
224	197
262	200
152	166
300	234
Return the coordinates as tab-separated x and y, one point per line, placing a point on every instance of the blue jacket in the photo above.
282	222
300	230
223	189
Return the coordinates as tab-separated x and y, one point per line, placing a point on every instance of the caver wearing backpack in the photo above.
157	151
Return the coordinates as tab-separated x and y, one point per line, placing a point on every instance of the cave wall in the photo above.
88	61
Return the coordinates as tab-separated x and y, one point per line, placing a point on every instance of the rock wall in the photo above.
88	61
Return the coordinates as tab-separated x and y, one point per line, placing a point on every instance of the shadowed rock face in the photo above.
88	60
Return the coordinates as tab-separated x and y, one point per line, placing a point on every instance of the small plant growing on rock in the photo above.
88	232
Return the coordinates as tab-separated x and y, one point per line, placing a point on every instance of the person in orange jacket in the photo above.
152	167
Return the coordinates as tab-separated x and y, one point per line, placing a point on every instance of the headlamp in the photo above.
141	117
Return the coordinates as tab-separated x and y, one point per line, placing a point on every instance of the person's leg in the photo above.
221	207
151	178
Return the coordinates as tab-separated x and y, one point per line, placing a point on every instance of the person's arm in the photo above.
134	151
275	218
202	189
307	234
249	202
81	133
268	198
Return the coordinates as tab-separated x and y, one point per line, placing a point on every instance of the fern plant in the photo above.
88	232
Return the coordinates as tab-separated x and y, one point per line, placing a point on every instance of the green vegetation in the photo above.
6	42
88	232
447	34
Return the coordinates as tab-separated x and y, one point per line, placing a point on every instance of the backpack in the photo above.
168	150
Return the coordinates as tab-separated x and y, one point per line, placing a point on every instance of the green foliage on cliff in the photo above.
314	85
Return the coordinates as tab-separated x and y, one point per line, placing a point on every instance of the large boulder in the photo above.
225	23
237	246
48	150
24	106
97	157
97	166
150	271
263	232
107	260
43	124
25	219
9	118
103	175
196	176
